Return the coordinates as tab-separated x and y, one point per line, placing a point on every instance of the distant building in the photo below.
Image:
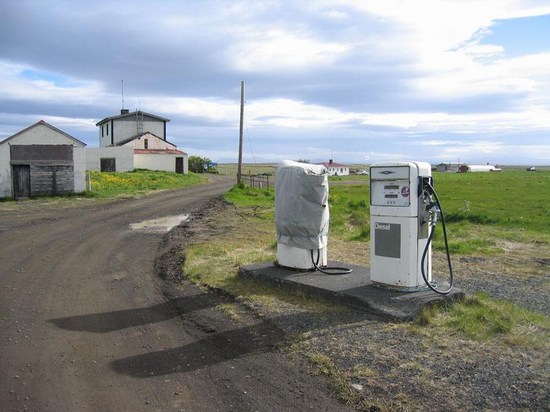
478	168
135	141
41	160
115	129
447	167
336	169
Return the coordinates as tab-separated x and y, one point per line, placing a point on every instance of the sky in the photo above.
355	81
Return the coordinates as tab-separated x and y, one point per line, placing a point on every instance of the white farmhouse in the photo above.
336	169
135	141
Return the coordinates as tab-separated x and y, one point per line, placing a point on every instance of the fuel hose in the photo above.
426	248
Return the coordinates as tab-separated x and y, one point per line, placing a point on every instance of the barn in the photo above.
41	160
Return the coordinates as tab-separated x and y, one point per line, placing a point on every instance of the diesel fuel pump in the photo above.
404	213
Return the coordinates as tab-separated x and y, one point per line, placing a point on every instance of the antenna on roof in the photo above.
122	83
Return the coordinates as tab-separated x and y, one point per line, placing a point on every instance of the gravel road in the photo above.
88	325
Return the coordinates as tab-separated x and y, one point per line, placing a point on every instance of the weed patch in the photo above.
482	318
107	185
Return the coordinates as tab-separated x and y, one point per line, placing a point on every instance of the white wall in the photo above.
104	137
79	158
165	162
340	171
153	142
127	127
124	156
5	171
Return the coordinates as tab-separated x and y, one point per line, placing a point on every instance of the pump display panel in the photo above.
390	186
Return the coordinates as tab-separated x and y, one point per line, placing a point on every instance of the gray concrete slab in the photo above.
354	290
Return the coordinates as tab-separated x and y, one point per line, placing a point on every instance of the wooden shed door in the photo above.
179	165
21	181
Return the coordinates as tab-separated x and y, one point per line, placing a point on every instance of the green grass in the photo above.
478	207
107	185
511	199
482	318
242	195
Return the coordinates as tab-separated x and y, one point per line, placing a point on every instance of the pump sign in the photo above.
390	186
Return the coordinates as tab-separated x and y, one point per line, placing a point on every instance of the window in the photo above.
108	164
107	129
145	143
102	130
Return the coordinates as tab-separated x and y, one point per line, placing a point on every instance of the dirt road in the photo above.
86	324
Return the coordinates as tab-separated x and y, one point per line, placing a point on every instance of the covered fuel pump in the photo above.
301	214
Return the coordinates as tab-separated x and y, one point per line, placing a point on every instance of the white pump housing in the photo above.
301	214
399	225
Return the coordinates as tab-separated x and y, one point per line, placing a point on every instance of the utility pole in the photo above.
239	169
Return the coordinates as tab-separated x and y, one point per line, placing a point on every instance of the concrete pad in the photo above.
354	290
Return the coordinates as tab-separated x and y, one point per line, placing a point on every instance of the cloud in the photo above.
343	77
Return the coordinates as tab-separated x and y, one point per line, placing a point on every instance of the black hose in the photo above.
451	278
326	269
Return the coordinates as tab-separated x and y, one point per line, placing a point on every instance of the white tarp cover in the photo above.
301	205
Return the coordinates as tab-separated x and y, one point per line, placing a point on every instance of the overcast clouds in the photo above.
421	80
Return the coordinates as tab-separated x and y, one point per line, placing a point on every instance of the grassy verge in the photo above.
107	185
481	318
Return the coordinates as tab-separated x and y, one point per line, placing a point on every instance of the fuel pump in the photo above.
404	212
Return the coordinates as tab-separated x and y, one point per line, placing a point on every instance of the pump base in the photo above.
296	258
397	288
354	290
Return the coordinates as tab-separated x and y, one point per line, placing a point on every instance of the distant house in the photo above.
336	169
447	167
41	160
135	141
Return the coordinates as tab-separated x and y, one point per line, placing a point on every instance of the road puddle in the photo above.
159	225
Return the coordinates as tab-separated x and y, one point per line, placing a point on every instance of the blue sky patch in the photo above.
521	36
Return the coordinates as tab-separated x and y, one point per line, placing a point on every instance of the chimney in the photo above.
124	111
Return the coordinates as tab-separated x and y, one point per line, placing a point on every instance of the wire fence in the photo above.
264	182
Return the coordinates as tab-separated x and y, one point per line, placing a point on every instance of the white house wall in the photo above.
5	171
79	159
127	127
153	142
165	162
338	171
124	156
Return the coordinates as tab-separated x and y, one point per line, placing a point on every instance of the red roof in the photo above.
332	164
159	151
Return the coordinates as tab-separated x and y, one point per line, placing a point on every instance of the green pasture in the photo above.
479	208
